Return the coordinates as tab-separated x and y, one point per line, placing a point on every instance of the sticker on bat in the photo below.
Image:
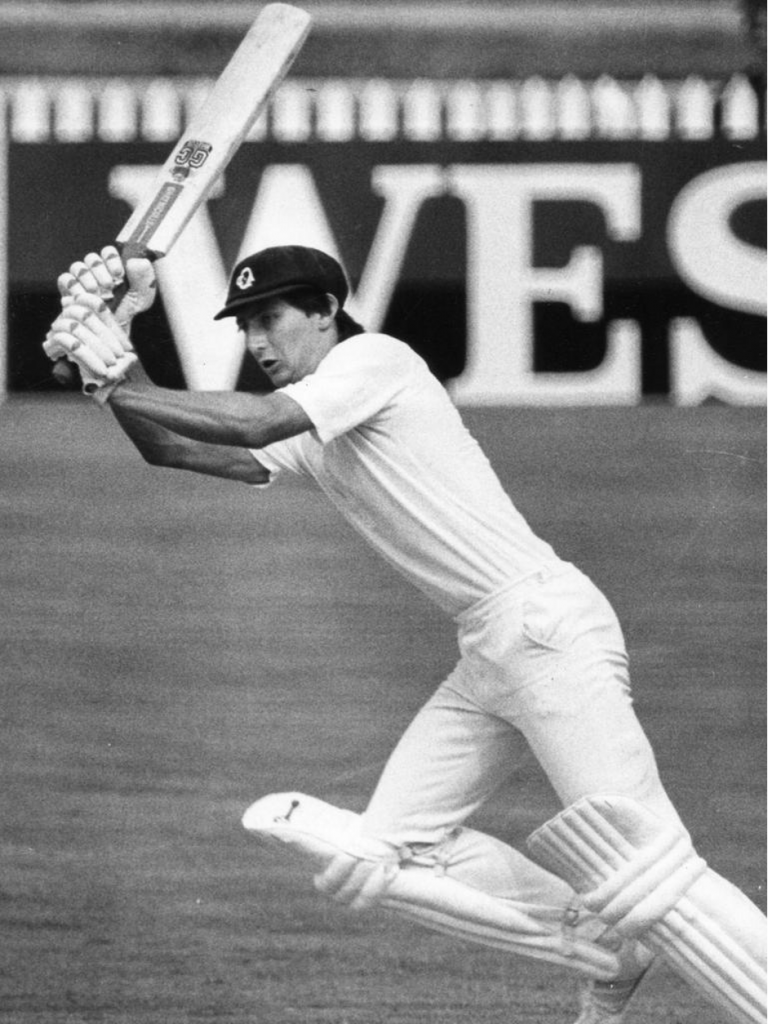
193	154
164	199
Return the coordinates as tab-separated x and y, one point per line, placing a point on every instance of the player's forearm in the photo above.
155	444
220	418
161	447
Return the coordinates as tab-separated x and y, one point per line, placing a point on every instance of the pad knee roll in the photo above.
631	867
642	877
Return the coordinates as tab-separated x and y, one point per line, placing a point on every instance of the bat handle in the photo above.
63	371
131	250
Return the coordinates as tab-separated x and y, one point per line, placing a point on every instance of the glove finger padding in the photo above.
106	273
106	269
73	334
129	286
53	349
73	339
114	265
96	274
77	281
95	374
108	325
91	337
106	336
358	884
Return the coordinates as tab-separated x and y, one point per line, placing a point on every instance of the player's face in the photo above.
286	342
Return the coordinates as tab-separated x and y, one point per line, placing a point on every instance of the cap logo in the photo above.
245	279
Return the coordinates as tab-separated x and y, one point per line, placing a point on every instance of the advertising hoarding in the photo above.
540	241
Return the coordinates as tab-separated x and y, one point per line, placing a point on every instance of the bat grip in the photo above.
63	372
136	251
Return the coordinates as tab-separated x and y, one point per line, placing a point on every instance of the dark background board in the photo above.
172	648
673	90
429	305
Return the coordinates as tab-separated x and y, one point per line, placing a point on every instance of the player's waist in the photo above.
479	609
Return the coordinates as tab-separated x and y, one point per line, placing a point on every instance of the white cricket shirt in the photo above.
390	450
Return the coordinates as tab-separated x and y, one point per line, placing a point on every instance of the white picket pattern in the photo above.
377	110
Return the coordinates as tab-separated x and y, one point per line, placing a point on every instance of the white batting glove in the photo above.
87	333
105	275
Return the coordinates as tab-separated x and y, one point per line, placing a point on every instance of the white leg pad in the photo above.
642	877
317	832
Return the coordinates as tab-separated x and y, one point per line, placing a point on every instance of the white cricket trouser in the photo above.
543	660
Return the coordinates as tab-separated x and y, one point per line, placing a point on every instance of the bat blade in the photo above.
212	138
216	130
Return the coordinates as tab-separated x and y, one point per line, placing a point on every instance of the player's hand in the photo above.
358	884
129	287
87	333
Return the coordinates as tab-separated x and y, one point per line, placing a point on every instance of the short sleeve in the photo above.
263	457
279	456
356	380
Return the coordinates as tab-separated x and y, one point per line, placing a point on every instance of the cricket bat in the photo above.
212	137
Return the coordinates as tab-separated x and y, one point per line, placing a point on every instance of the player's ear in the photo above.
327	319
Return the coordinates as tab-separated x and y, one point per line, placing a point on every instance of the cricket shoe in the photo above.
604	1002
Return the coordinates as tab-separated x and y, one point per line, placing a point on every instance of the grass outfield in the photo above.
173	648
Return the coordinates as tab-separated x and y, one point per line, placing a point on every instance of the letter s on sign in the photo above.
707	255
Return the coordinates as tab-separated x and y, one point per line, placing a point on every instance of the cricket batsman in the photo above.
613	880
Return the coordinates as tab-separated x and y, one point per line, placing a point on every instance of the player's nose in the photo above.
255	340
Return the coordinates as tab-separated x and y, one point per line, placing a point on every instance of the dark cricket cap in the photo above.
282	268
